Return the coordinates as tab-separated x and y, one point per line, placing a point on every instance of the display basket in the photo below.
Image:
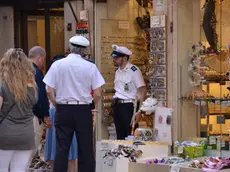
193	151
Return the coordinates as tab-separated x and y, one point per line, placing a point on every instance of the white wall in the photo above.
6	29
69	18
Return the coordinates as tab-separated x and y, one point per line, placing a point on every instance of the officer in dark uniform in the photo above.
129	84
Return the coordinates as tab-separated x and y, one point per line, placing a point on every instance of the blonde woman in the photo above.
18	95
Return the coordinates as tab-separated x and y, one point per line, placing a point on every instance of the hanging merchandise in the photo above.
197	67
149	106
209	24
157	61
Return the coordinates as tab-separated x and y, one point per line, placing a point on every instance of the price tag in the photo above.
223	144
104	146
180	149
212	140
212	104
175	169
197	103
217	102
110	161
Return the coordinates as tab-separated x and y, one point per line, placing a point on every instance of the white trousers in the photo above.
17	161
38	129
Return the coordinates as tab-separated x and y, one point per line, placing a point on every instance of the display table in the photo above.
140	167
150	149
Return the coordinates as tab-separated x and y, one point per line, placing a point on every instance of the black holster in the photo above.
115	102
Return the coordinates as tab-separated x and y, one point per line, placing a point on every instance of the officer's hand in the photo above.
48	122
94	113
137	117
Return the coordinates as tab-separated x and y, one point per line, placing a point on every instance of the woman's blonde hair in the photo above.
18	73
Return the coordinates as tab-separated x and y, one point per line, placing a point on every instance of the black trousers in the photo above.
70	118
123	113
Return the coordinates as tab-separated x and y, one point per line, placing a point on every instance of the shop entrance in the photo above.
43	27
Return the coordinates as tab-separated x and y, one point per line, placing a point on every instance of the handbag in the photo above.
7	113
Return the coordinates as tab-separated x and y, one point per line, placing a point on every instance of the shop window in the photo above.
203	49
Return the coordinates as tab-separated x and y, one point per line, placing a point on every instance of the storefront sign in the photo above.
84	15
123	25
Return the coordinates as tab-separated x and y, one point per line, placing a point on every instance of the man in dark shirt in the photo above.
41	110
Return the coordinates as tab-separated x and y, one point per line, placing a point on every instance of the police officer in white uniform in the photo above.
129	84
70	81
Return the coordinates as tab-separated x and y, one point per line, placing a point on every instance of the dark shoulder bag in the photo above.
7	113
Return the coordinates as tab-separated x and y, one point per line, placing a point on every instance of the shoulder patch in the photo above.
134	68
89	61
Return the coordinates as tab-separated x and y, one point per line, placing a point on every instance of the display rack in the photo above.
158	57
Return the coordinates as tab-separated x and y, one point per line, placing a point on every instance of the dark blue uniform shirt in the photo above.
41	109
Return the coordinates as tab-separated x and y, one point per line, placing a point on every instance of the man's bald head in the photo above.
37	55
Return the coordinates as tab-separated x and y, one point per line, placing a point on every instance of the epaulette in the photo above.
134	68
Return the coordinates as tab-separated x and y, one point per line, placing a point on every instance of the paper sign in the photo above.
163	128
158	21
175	169
123	25
84	15
160	5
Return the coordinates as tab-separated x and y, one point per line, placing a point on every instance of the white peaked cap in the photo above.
79	40
122	50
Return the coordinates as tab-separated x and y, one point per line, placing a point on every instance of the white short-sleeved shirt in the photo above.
73	78
127	81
